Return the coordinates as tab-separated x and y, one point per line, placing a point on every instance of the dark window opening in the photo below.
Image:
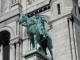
6	50
79	10
15	50
5	40
58	7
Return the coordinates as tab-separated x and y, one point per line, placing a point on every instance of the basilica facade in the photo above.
62	23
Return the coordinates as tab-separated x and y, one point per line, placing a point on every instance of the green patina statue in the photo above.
37	33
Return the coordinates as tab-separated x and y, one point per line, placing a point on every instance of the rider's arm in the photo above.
24	24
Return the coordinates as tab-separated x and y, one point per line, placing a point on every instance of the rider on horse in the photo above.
37	33
41	25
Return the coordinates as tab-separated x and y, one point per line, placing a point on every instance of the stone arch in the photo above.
4	42
10	30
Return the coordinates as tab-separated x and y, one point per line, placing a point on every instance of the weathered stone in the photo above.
36	55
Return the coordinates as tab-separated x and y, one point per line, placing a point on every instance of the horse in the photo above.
34	35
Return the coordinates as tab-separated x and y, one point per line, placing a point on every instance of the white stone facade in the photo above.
64	28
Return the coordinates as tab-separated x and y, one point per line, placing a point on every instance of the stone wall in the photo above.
61	28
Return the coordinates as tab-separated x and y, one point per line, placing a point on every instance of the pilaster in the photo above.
17	51
12	52
17	42
0	6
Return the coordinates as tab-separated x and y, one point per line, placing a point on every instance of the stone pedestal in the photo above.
35	55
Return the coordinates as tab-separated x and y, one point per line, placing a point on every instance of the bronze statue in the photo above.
37	33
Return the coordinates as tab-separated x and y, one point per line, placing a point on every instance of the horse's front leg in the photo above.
35	41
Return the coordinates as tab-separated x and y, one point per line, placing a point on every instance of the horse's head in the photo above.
22	18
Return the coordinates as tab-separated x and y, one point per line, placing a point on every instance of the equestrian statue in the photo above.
37	33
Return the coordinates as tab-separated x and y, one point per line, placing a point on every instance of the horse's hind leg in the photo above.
43	49
35	41
44	46
31	39
49	44
50	50
32	42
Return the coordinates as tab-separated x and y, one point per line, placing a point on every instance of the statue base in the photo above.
35	55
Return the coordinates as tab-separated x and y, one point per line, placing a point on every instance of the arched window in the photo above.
58	8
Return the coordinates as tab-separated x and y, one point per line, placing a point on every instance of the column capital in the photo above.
15	40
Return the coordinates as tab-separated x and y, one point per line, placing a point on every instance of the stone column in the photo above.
21	48
12	52
17	51
0	6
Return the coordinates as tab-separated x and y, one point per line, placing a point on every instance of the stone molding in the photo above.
15	40
32	7
16	6
10	20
